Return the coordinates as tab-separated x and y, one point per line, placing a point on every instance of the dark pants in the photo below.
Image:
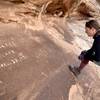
83	64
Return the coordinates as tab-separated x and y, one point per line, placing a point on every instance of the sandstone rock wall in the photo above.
62	7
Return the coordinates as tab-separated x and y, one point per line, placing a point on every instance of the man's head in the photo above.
91	27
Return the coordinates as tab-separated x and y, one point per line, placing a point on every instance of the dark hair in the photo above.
92	24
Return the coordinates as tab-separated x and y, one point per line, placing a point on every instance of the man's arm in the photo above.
89	54
94	52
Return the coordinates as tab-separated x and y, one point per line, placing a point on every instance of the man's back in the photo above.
97	46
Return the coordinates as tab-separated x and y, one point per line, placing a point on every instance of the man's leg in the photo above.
83	64
77	70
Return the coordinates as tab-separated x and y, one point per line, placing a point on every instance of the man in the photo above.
92	29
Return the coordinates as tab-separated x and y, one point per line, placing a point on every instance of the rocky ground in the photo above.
35	53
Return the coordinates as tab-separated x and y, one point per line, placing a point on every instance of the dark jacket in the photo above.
93	54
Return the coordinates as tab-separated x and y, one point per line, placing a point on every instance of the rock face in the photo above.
31	66
16	1
98	1
62	7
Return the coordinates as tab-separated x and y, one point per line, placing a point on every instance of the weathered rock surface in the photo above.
86	8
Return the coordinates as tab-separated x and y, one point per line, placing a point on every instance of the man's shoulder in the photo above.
98	33
97	41
98	36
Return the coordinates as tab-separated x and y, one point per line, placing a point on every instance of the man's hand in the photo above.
81	56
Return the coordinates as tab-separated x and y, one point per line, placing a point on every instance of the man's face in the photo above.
90	31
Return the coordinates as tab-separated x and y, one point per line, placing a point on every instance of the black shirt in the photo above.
94	52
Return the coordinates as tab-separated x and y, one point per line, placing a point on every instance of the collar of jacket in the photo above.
97	34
